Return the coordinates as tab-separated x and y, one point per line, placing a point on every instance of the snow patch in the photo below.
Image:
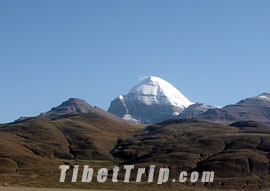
176	113
121	97
265	97
129	118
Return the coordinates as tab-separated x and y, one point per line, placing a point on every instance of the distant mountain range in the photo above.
250	109
155	100
195	110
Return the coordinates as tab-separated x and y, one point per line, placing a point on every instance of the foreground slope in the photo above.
29	147
72	130
239	152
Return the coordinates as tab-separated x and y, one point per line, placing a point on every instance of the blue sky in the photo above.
215	52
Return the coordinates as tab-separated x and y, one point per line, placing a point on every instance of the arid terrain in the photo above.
31	151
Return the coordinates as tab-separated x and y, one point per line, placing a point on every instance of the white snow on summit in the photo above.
265	97
154	90
121	97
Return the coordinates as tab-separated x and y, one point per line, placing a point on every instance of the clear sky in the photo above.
215	52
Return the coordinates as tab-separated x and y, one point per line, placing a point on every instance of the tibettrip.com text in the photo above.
162	176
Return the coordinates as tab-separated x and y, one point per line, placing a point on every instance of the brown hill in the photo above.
234	152
30	147
70	107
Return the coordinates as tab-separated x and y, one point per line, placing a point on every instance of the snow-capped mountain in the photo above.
153	100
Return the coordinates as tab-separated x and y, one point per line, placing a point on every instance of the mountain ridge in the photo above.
72	106
256	108
195	110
